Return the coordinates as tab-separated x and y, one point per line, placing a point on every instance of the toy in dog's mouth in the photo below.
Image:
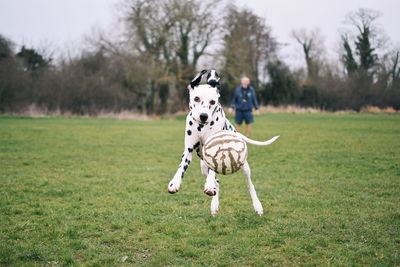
225	152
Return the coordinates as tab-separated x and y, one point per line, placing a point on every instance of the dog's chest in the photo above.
209	130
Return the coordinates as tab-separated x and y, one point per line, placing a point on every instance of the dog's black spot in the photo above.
203	71
213	83
190	149
198	154
188	162
185	167
199	129
196	145
190	123
209	107
212	123
216	119
201	125
182	175
189	132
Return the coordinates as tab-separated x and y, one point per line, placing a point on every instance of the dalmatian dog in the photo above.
206	117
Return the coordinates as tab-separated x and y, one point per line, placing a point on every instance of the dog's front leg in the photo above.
211	188
211	185
175	183
191	143
215	200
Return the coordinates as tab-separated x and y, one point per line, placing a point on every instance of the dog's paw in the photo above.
260	212
173	186
210	190
214	212
258	208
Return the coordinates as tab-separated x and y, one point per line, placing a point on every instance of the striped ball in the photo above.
225	152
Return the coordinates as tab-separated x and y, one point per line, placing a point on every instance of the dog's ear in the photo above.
213	83
196	80
215	73
213	79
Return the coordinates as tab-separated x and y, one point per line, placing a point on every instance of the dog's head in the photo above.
209	77
204	95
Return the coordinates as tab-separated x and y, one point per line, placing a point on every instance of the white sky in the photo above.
286	15
63	23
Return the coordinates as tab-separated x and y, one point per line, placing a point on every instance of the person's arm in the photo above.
254	99
233	104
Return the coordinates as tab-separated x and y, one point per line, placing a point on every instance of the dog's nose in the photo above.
203	117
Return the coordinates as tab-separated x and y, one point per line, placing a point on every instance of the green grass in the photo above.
83	191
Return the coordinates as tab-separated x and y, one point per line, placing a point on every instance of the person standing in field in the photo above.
243	101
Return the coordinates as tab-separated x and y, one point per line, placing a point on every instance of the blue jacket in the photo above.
244	99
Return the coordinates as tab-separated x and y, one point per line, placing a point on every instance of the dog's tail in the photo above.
258	143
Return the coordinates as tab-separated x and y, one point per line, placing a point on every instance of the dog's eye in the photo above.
197	99
212	102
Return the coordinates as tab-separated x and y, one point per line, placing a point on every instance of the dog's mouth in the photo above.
202	118
200	122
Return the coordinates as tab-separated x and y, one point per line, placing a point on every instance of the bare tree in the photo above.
395	67
6	47
313	48
248	46
171	35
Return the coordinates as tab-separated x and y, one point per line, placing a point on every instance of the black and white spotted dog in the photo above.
206	117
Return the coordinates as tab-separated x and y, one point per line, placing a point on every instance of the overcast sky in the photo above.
63	23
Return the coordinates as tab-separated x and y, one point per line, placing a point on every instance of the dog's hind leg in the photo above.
256	202
211	187
215	200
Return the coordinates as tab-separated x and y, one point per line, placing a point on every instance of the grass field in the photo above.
84	191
